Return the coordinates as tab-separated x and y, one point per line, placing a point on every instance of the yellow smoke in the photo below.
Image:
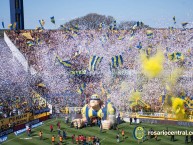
135	96
153	66
178	108
172	79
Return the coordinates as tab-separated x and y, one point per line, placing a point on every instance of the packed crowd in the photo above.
78	47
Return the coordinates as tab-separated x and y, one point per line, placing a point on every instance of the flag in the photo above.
179	56
82	88
174	19
14	25
121	37
94	62
171	56
184	24
10	26
116	61
100	26
66	64
3	25
139	45
52	19
42	23
149	33
27	35
30	43
38	40
41	85
176	56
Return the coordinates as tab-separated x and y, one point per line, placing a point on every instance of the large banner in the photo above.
41	115
16	120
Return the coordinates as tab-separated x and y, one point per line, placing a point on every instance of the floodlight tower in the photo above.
17	13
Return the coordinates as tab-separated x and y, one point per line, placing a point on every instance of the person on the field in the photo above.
191	138
117	137
186	139
89	140
28	131
77	139
40	135
73	137
172	138
58	125
59	132
123	134
97	141
135	119
53	140
130	120
51	127
60	139
84	140
64	134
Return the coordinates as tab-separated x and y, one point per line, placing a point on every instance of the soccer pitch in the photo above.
107	137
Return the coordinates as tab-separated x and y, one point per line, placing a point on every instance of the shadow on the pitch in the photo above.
175	140
45	138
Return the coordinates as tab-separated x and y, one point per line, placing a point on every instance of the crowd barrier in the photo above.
24	129
3	138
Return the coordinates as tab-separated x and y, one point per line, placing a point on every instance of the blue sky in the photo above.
156	13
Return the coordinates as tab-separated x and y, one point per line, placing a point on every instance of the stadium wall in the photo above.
18	55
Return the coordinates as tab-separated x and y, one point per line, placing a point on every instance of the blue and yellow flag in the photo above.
176	56
184	24
52	19
149	33
66	64
117	61
174	19
3	25
132	35
42	23
139	46
30	43
94	62
82	88
38	40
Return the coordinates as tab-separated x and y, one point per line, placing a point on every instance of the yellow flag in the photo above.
9	26
28	36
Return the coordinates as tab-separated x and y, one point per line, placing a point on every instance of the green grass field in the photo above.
107	137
